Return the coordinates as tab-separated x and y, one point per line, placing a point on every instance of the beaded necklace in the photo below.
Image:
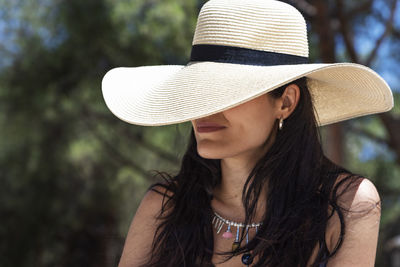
218	221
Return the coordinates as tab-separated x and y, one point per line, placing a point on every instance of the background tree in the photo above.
364	32
72	175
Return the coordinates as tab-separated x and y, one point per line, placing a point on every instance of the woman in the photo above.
254	188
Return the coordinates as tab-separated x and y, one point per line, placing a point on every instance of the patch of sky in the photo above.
386	64
388	67
52	38
368	31
18	22
387	60
340	49
397	17
371	150
44	24
383	7
368	152
367	35
8	34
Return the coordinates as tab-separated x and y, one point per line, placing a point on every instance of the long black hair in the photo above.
300	192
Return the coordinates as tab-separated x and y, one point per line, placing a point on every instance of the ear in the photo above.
288	101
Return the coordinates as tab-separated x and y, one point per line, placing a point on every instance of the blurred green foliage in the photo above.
71	174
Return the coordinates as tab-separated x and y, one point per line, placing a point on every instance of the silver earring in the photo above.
280	123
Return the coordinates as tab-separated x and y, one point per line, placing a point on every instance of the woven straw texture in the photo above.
247	24
168	94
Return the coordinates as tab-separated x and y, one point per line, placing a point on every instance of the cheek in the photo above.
257	130
249	127
252	124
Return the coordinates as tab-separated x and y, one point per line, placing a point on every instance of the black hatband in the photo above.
239	55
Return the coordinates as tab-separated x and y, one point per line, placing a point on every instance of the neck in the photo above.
234	173
228	194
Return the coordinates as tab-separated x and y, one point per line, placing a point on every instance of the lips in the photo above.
204	127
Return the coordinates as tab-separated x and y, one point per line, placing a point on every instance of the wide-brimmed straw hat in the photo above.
242	49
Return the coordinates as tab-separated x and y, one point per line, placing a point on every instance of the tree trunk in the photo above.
326	46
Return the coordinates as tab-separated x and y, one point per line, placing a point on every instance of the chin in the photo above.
211	154
210	157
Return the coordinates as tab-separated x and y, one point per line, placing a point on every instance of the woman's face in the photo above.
247	127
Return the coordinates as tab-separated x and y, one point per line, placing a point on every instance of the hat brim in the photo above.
169	94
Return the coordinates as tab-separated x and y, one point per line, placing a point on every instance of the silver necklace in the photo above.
218	221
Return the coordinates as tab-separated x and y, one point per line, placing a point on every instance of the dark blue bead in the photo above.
247	259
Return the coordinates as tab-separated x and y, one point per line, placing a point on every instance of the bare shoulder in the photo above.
142	229
356	195
154	198
361	215
366	193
